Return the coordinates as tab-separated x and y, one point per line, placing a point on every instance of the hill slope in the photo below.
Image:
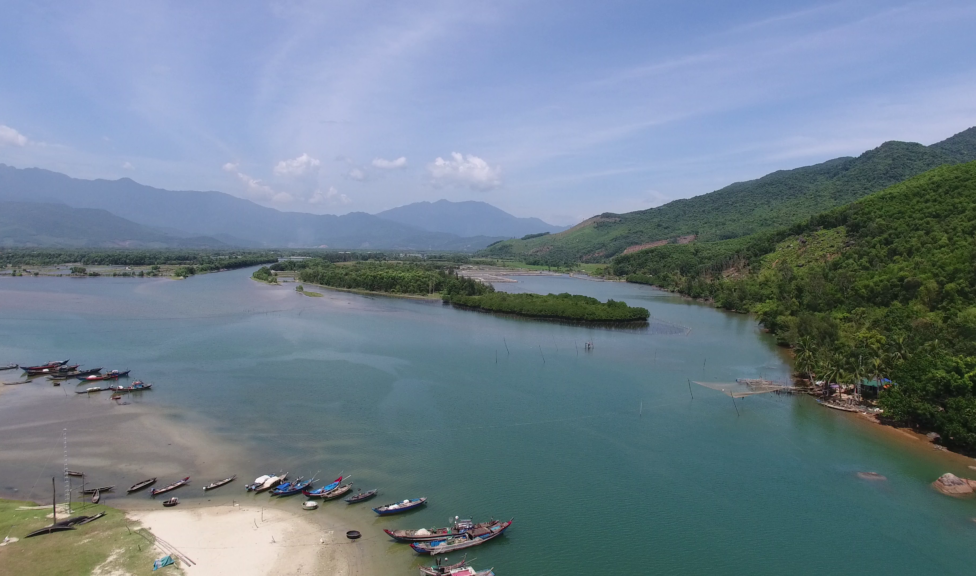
466	219
776	200
231	219
36	224
885	286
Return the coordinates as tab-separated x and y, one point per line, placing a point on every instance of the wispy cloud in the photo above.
11	137
255	189
384	164
301	166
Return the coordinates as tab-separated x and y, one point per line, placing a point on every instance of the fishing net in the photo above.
745	387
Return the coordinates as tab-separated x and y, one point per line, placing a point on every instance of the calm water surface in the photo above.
506	417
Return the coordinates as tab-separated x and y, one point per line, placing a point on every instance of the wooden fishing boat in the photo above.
91	518
53	364
286	485
837	406
141	485
337	492
459	569
400	507
458	526
319	492
438	568
172	486
137	386
266	482
100	489
116	397
113	375
9	366
474	537
362	496
219	483
75	374
75	473
292	488
51	370
171	502
96	497
49	530
92	389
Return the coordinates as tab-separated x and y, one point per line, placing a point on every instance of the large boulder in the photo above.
952	485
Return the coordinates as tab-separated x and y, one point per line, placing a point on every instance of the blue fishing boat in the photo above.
399	507
474	537
292	488
320	492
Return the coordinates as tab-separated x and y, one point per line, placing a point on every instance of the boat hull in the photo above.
401	508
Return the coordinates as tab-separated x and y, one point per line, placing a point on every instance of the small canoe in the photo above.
9	366
91	518
219	483
400	507
49	365
75	473
137	386
310	505
141	485
337	492
113	375
172	486
100	489
362	496
92	389
96	497
292	488
171	502
49	530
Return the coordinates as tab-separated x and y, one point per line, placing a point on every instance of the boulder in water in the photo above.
952	485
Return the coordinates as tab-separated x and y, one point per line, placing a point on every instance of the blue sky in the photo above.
557	109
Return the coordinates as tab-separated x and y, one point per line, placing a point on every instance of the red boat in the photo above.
113	375
49	366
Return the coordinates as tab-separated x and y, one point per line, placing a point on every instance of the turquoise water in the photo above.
506	417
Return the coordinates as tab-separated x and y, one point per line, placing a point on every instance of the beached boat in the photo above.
337	492
362	496
116	397
400	507
92	389
137	386
75	473
113	375
74	374
100	489
172	486
439	568
459	569
319	492
141	485
9	366
52	370
171	502
840	407
91	519
265	483
96	497
458	526
473	537
49	530
219	483
292	488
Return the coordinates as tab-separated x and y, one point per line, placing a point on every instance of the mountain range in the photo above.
778	199
147	216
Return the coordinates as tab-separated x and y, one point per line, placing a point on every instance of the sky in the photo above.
555	109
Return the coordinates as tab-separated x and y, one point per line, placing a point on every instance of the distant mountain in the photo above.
778	199
232	220
36	224
466	219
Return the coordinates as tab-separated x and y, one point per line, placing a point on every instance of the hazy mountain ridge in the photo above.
215	214
777	199
28	224
466	219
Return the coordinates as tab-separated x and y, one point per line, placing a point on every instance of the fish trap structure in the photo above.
743	387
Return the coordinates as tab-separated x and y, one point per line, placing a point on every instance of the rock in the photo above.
952	485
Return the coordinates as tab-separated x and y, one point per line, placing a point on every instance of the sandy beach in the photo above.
239	539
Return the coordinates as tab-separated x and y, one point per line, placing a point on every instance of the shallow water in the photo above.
500	416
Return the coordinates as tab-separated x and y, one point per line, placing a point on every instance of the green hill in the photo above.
884	286
776	200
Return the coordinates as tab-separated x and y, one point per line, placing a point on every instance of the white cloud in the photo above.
256	189
467	170
357	174
12	137
384	164
128	166
330	196
296	167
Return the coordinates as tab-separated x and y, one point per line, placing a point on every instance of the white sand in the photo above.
234	540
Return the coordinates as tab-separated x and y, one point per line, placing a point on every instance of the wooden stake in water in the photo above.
541	354
689	389
736	407
641	414
507	351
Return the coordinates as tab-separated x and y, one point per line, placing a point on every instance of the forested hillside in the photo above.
776	200
885	286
